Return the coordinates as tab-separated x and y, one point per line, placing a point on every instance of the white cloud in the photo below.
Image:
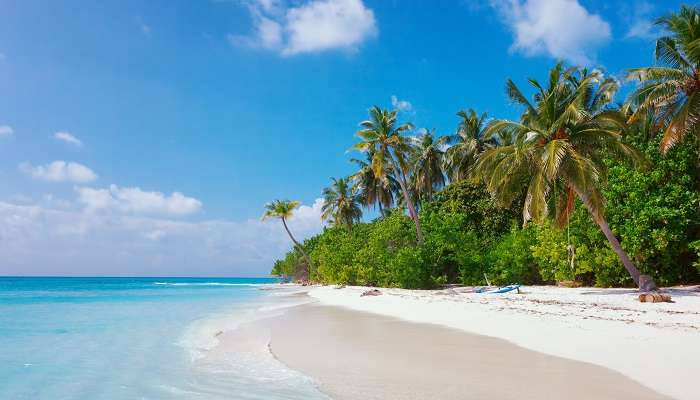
306	217
136	201
268	34
68	138
313	26
155	235
641	29
639	19
37	240
328	24
6	131
60	171
562	29
401	105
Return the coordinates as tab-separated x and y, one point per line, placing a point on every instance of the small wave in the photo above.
203	335
206	284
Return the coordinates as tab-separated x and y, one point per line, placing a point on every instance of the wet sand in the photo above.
356	355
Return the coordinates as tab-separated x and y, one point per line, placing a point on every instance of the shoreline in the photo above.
654	344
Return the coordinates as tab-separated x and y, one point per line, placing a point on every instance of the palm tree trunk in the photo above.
298	245
409	203
599	218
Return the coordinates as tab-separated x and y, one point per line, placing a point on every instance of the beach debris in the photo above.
372	292
655	297
340	287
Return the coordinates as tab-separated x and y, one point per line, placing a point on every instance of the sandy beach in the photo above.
653	345
356	355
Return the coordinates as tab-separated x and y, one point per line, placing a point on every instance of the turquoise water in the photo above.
135	338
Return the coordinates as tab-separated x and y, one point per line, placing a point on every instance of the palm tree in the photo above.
284	209
466	144
558	150
426	160
382	135
672	90
341	203
373	191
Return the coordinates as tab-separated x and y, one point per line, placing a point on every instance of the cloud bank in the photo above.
133	200
36	240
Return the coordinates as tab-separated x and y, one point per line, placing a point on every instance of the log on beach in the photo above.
655	298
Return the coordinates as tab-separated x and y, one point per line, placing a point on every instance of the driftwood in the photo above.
655	298
372	292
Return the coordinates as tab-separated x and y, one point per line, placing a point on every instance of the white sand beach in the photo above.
655	344
355	355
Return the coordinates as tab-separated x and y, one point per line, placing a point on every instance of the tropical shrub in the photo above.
511	259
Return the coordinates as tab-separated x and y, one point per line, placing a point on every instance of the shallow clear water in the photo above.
136	338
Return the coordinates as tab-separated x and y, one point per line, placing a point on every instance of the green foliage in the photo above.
451	251
695	246
481	213
289	266
408	269
511	259
656	211
549	252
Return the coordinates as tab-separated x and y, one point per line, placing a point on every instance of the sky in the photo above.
143	138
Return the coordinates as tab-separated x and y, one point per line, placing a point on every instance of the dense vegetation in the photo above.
579	189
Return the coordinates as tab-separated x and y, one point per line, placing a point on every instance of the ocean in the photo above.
138	338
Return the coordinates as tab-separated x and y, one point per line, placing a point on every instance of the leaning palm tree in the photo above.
466	144
341	203
382	135
671	90
373	191
558	150
427	158
284	209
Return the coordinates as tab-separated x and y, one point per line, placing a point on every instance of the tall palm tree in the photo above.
382	135
466	144
373	191
671	90
284	209
427	158
558	149
341	203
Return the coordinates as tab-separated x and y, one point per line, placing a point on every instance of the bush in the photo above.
656	211
512	261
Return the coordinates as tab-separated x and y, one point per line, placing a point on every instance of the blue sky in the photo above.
144	137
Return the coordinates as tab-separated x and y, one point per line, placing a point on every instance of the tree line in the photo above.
580	188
